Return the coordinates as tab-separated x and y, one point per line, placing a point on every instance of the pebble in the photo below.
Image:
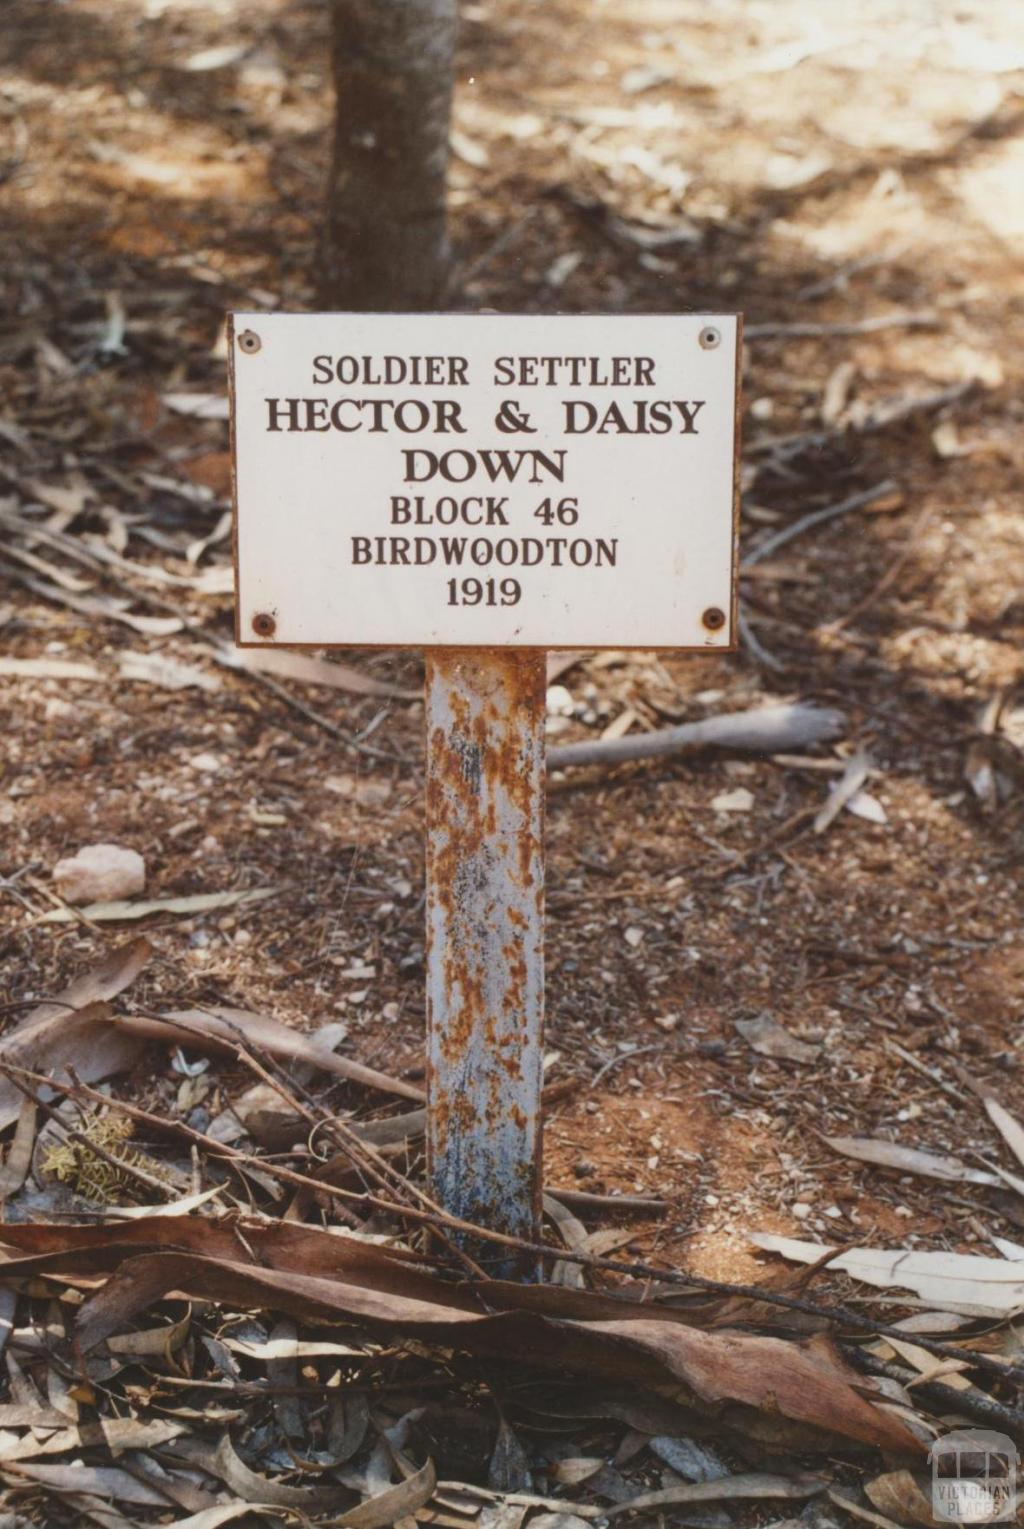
100	873
801	1210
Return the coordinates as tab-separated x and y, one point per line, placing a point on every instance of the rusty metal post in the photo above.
485	940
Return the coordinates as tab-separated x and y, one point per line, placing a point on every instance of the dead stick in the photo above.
634	1270
764	729
802	330
584	1199
984	1408
645	1271
817	518
362	1154
148	1180
888	578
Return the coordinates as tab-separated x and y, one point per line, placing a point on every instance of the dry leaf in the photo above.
197	405
84	1039
398	1502
46	669
19	1156
804	1381
932	1165
121	912
768	1038
222	1027
844	791
167	673
959	1282
1009	1129
73	1027
310	670
102	1480
863	805
687	1458
252	1487
902	1496
752	1485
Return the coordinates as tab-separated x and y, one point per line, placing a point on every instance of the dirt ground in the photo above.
811	165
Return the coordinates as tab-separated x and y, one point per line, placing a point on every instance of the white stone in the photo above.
740	800
100	873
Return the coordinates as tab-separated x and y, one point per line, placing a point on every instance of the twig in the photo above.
944	1399
585	1199
889	412
624	1056
817	518
889	577
58	902
764	729
363	1155
148	1180
508	235
839	278
842	1315
809	331
755	647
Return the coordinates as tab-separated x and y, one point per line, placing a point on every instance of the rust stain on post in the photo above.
485	946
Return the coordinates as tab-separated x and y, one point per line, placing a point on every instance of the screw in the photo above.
264	625
250	342
713	618
710	339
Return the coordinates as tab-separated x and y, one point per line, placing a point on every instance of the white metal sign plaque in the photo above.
485	480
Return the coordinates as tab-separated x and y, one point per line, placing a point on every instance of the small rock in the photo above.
801	1210
711	1048
100	873
559	702
205	764
584	1169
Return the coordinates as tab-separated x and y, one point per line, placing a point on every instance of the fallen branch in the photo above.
892	411
802	330
816	518
224	1029
762	730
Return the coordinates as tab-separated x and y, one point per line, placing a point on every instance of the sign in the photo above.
479	480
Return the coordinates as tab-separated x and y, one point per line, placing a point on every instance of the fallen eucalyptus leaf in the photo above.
889	1154
959	1282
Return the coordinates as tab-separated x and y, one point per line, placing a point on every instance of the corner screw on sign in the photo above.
264	625
249	341
713	618
710	337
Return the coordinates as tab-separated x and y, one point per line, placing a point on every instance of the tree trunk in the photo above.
386	245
